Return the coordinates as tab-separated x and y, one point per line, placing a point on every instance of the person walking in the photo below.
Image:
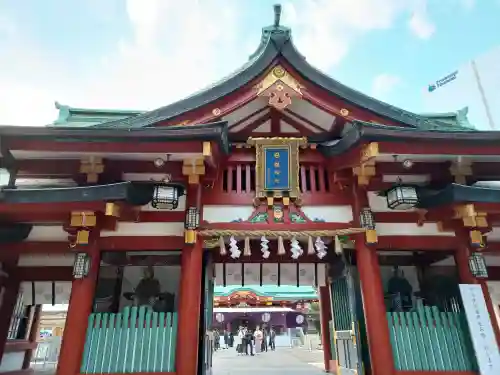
216	339
226	339
272	339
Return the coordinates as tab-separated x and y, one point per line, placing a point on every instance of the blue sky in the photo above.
141	54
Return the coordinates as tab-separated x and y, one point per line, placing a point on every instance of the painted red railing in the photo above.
236	185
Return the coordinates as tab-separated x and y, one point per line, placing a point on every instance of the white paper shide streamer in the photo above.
320	246
233	248
295	249
264	247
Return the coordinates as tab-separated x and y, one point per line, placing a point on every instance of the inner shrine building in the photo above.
278	175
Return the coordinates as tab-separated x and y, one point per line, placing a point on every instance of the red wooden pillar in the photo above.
466	277
325	316
377	328
11	290
33	335
186	360
79	309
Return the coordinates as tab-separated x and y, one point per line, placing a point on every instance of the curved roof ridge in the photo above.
276	41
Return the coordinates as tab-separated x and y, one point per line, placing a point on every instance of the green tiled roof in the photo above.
284	292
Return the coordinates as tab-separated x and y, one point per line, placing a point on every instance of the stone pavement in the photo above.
283	361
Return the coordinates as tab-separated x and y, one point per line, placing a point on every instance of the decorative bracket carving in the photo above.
280	87
461	170
470	217
366	170
92	167
193	168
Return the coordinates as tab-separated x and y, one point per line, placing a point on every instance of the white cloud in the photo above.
176	48
468	4
324	30
384	84
420	23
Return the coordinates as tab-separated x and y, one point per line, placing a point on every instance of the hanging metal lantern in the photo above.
166	196
402	197
366	219
192	218
81	266
477	266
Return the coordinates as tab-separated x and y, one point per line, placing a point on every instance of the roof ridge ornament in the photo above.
277	15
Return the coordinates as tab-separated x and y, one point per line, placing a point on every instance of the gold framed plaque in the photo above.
277	166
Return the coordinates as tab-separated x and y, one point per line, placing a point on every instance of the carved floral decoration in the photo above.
280	87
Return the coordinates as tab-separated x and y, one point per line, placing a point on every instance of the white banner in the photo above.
481	330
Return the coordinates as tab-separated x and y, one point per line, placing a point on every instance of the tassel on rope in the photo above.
281	246
246	250
338	245
310	246
222	246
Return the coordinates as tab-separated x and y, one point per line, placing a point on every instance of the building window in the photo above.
138	279
18	321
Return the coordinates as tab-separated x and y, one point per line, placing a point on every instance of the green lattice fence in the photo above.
136	340
428	339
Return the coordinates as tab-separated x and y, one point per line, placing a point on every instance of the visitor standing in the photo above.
239	340
258	336
265	334
248	341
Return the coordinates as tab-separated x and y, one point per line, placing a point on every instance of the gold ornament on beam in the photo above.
476	238
280	87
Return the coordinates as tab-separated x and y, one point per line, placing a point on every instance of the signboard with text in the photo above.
481	330
277	166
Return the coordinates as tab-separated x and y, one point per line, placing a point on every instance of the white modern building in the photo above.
475	85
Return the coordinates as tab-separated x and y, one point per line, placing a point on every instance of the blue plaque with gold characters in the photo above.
277	166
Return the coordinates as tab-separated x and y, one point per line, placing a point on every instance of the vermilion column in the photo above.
33	335
186	360
79	309
8	304
466	277
377	328
325	316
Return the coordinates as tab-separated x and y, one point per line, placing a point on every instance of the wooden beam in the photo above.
349	159
175	243
127	214
48	273
247	156
180	147
276	226
217	109
335	197
437	147
417	243
118	243
248	130
40	208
